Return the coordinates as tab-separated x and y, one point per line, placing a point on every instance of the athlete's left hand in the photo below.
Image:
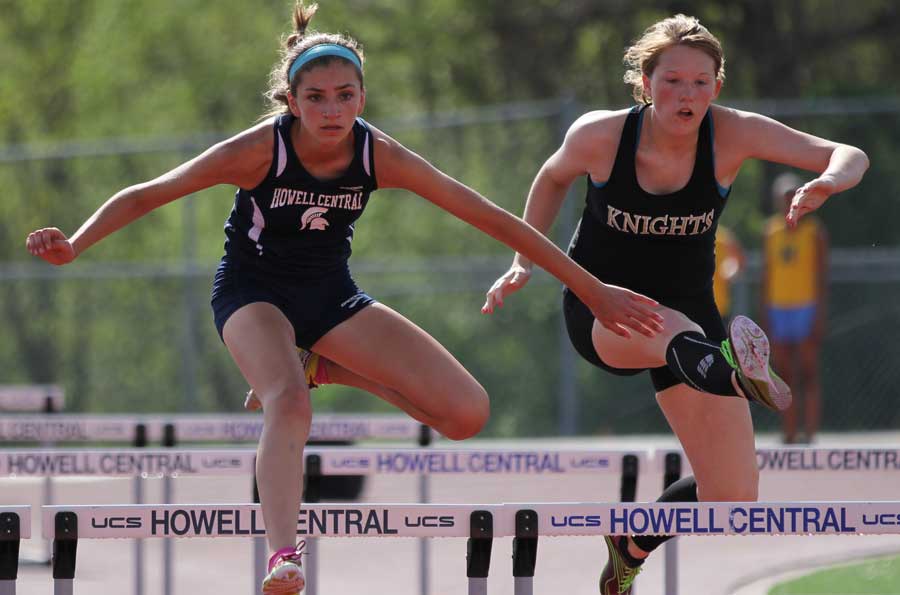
512	280
809	197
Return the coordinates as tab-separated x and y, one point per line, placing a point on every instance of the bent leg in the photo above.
717	437
640	351
683	347
340	375
261	341
380	345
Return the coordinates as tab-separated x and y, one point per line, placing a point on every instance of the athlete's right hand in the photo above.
619	309
52	245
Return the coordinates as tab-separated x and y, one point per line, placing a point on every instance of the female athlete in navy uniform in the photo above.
658	177
304	177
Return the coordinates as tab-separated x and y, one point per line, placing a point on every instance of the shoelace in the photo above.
299	550
628	576
725	348
288	556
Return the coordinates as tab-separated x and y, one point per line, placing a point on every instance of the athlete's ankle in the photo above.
634	551
737	385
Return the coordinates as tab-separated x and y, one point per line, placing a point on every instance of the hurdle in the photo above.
794	459
468	461
320	462
46	398
228	428
15	525
526	523
140	430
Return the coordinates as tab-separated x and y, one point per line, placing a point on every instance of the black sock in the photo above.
699	363
630	560
683	490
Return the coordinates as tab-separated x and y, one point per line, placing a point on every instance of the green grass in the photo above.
872	577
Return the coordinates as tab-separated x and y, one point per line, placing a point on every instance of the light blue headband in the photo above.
320	51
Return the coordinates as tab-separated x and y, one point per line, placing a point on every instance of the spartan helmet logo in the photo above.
313	218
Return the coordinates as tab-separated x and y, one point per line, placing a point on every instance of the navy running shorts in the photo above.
579	322
313	306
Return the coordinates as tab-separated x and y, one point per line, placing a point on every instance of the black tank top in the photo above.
659	245
293	224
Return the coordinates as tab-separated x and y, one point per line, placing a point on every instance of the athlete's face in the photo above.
328	99
682	86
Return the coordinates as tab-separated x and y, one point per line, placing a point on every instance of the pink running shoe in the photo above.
285	572
747	350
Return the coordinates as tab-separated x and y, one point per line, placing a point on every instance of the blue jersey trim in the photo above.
724	191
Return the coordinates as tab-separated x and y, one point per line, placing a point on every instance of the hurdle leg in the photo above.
10	536
424	542
424	498
525	551
312	494
478	550
259	546
671	567
65	546
671	475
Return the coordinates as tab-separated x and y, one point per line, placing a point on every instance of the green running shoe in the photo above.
747	351
617	576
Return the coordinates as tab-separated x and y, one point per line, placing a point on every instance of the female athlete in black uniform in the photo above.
304	177
658	177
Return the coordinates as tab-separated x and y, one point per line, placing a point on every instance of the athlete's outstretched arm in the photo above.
548	191
840	166
241	160
619	309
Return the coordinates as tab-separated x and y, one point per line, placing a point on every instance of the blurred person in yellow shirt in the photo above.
794	292
729	264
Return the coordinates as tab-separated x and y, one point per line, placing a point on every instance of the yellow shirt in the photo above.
792	257
726	248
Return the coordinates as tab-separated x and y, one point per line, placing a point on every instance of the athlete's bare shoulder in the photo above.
247	155
257	138
591	144
384	144
598	127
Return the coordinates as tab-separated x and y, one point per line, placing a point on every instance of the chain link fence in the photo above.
128	327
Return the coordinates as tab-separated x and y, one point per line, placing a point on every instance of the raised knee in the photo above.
468	420
289	405
676	323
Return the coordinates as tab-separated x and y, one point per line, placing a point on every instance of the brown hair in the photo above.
643	55
295	44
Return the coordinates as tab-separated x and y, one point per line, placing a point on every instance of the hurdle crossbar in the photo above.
176	462
810	459
197	428
525	522
46	398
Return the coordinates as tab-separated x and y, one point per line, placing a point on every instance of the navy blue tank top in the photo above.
658	245
293	224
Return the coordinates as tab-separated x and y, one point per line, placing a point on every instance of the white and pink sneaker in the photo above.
285	572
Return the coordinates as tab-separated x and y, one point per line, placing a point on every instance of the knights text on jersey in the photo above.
293	224
660	245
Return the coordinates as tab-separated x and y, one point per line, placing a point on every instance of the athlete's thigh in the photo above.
261	341
383	346
717	436
640	351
